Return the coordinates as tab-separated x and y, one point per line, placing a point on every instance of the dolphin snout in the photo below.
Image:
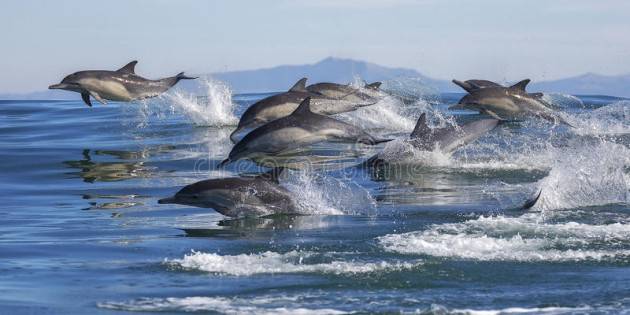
56	86
167	200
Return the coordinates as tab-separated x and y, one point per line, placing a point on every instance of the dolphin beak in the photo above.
57	86
167	200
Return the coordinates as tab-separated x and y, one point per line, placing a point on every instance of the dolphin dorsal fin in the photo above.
421	127
299	86
304	107
129	68
521	85
373	85
273	175
466	86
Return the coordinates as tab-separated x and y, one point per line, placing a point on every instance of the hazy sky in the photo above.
500	40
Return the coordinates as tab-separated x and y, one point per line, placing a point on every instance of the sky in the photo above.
499	40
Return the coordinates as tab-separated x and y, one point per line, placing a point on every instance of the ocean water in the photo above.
81	231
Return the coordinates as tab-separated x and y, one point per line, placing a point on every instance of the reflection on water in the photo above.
92	171
253	227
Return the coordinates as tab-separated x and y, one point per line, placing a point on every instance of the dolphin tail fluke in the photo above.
182	76
372	141
531	202
373	85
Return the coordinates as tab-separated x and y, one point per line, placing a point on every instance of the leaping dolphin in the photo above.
504	102
238	196
446	139
283	104
301	128
120	85
370	93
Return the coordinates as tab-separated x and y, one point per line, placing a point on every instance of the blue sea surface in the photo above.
81	231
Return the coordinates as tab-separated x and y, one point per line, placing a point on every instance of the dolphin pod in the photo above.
120	85
504	103
326	99
287	122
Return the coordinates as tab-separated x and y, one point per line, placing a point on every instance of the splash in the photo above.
586	175
317	194
562	101
273	263
214	109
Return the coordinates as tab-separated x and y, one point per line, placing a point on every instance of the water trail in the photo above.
524	238
214	109
254	305
272	263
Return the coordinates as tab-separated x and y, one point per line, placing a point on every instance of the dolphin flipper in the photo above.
98	97
86	98
492	114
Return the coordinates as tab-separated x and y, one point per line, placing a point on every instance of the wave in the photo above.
272	263
526	238
224	305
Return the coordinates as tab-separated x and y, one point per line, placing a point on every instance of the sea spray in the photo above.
214	109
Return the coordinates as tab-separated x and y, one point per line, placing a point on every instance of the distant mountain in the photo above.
328	70
587	84
338	70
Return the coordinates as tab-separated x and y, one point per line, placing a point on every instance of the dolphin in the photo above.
476	84
504	102
283	104
121	85
238	196
446	139
370	93
301	128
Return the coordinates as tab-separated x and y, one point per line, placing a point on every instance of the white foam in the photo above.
272	262
525	238
222	305
215	109
521	310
